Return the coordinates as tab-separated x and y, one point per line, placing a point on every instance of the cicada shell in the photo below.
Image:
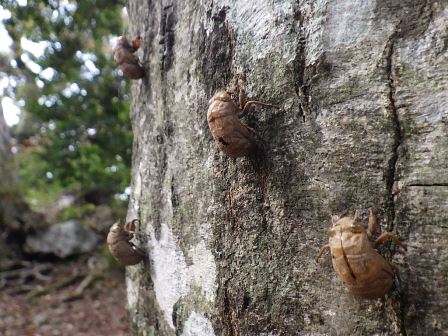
125	58
356	261
230	134
120	246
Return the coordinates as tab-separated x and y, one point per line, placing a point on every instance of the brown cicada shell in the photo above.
356	261
230	134
120	246
125	58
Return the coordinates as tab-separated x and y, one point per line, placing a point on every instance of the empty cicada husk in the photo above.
120	246
356	261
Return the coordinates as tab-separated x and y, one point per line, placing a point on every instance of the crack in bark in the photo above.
167	23
299	64
165	128
391	169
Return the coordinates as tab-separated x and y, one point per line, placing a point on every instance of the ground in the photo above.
101	310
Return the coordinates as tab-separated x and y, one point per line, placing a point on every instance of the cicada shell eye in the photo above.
137	42
131	226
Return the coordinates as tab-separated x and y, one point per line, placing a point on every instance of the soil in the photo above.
99	310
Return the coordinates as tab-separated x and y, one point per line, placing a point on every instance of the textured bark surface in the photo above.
363	123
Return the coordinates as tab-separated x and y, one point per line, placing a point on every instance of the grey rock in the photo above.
62	240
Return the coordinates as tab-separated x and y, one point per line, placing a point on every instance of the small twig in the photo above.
14	264
22	273
22	289
79	291
39	291
48	289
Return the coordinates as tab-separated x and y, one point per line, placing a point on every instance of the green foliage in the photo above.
76	212
33	181
76	106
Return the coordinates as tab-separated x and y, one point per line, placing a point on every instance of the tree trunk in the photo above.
11	204
6	160
362	88
16	217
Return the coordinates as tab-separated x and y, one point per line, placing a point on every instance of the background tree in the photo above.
15	215
75	106
363	123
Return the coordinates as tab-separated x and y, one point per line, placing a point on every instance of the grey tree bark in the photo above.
231	243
